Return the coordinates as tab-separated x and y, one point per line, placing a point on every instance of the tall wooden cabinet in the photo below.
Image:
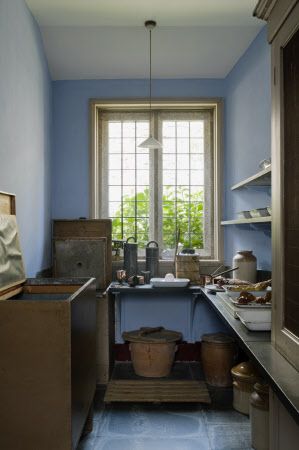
283	35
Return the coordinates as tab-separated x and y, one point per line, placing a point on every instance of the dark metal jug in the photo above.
152	259
130	257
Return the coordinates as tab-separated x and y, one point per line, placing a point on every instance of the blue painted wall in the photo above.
246	129
25	129
247	142
70	185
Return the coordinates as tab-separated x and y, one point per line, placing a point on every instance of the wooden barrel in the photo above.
218	353
187	266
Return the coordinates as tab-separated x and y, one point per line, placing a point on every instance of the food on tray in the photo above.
222	281
250	287
246	297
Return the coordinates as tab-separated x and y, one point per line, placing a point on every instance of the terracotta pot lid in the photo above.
217	338
152	335
246	372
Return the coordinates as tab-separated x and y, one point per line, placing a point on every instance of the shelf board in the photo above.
247	221
262	178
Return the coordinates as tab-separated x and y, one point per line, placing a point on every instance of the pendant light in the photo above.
150	142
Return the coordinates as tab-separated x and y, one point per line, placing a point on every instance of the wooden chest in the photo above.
48	353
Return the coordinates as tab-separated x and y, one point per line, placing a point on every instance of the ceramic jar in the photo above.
244	376
259	416
246	263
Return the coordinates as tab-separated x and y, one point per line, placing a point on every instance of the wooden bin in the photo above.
187	266
48	351
152	350
218	354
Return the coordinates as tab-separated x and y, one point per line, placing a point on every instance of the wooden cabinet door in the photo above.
285	145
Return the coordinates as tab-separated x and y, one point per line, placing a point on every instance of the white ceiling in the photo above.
93	39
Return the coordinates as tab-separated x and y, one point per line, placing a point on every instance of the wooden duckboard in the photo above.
157	391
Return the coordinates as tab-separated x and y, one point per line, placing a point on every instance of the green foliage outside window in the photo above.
178	212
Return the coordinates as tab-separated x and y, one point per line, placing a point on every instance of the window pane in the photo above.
183	162
183	193
181	169
196	145
128	177
128	227
115	209
197	161
142	209
168	128
128	191
128	145
128	129
143	162
169	161
142	129
182	129
114	161
128	208
128	161
114	129
142	177
183	145
114	193
114	145
196	128
182	177
115	177
168	209
169	176
169	145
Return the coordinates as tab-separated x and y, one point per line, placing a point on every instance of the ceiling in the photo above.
96	39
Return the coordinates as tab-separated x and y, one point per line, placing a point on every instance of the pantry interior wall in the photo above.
44	134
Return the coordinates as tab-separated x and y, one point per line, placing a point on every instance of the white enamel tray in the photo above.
176	282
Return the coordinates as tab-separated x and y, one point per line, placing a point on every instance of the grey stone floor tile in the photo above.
223	417
135	420
152	444
230	437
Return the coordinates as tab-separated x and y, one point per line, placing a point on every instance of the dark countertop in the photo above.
148	288
279	373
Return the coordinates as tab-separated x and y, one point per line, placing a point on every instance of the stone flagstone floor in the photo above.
166	427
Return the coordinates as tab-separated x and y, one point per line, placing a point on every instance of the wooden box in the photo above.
88	229
48	356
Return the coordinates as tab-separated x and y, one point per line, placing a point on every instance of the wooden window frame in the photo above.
215	104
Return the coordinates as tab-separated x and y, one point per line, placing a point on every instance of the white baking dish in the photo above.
164	282
235	294
262	315
256	326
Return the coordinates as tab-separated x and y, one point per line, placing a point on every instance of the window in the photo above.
156	194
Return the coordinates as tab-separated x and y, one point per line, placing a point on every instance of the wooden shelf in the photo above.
262	178
247	221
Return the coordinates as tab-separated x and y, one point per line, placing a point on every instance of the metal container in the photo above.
152	259
130	257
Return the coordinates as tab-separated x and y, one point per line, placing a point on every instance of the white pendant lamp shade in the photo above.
150	142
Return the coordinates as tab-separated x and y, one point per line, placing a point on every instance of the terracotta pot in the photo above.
218	355
152	360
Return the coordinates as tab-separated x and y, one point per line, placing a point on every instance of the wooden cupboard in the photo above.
47	351
283	35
